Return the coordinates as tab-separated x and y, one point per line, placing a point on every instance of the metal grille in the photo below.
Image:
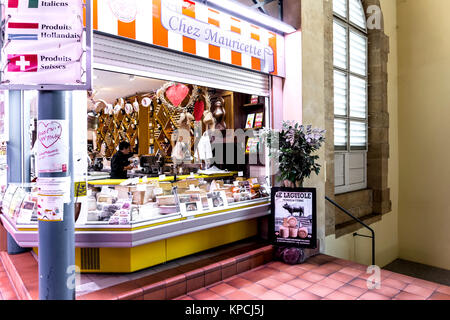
90	258
130	57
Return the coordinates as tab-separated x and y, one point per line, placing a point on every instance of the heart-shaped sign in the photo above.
177	93
199	108
49	133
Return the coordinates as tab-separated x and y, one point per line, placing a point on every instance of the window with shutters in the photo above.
350	95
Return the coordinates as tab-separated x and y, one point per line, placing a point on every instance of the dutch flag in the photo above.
31	3
23	31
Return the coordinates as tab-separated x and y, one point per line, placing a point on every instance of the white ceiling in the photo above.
110	86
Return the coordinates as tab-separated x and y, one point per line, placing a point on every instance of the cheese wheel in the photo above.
303	233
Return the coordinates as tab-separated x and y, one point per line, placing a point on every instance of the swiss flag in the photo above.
22	62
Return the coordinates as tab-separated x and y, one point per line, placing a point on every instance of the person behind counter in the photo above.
120	163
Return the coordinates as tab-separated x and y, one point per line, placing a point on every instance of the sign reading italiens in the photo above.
43	43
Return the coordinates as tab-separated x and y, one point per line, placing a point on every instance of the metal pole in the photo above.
57	238
18	151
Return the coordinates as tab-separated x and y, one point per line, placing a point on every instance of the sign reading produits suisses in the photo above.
44	43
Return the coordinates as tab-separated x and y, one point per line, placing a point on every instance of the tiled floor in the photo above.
321	278
418	270
6	289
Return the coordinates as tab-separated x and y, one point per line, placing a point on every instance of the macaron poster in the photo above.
294	217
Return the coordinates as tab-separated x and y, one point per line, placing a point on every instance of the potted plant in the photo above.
294	148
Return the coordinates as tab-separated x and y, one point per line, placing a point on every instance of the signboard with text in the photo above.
46	45
294	217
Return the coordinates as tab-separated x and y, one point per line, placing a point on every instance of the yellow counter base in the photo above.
126	260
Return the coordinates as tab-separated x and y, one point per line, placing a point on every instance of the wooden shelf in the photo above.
249	105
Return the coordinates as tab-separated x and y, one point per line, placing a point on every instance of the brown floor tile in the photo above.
255	289
352	290
195	283
277	265
269	283
331	283
311	277
238	282
369	295
337	295
239	295
439	296
287	289
159	294
272	295
305	295
213	277
242	266
257	260
228	271
407	296
343	277
222	289
420	291
319	290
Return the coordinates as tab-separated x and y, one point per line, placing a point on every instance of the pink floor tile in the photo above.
272	295
444	289
337	295
331	283
397	284
239	295
300	283
255	289
407	296
386	291
283	277
417	290
287	289
269	283
238	282
305	295
439	296
352	290
340	276
312	277
369	295
222	289
360	283
351	271
319	290
205	295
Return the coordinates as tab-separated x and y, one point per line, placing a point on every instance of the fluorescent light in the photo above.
246	13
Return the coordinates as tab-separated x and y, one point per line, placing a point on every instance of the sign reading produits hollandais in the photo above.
44	43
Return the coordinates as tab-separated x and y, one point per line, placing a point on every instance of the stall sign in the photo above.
53	151
294	217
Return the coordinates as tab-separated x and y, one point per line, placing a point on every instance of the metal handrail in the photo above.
359	221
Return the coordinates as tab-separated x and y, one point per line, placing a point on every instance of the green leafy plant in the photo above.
294	148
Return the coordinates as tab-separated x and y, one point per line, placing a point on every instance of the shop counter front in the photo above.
147	233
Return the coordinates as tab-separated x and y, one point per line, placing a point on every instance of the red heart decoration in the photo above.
199	108
49	134
177	93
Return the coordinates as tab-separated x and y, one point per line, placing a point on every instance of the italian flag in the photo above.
31	3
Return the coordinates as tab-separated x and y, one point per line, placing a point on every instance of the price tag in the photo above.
192	175
144	179
141	187
158	191
240	174
192	187
236	183
162	177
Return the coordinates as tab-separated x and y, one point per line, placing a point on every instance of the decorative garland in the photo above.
171	107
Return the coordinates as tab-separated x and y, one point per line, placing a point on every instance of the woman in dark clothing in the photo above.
120	163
